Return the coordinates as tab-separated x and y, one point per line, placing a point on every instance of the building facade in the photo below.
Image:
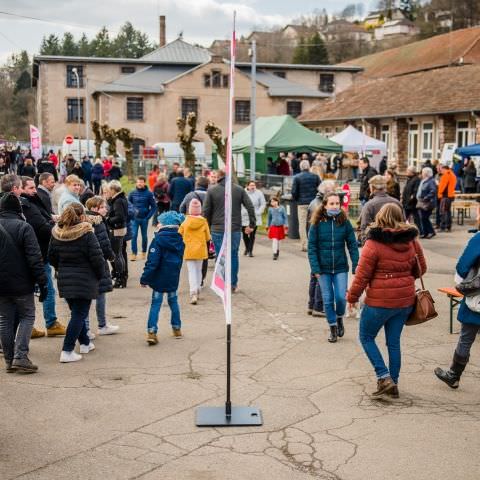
147	95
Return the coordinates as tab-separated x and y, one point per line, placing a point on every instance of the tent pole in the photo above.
253	109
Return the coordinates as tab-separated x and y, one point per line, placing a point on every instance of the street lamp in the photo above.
75	71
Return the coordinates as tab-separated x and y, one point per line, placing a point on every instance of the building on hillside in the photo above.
147	95
377	18
341	30
396	28
294	33
415	98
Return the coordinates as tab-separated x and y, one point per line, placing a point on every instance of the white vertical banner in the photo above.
222	276
35	142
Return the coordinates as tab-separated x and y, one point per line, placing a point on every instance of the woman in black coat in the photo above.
96	211
470	177
76	255
117	221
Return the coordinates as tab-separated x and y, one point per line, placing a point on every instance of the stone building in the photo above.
147	95
415	98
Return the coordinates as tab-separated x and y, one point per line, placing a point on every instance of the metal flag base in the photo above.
217	417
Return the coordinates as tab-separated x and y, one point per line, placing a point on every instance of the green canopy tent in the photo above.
279	134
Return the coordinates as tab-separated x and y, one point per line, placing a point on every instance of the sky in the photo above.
201	21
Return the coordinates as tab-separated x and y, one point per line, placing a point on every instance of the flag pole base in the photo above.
217	417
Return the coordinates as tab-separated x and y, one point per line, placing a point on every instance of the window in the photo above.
328	132
206	81
189	105
128	69
242	111
294	109
135	108
327	82
280	74
73	111
463	133
413	145
385	135
427	141
72	77
225	81
216	79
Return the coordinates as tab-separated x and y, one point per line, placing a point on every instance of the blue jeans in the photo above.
217	238
100	306
372	320
315	301
77	327
141	223
49	313
157	298
334	289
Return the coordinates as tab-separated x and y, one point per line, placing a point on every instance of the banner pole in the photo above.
227	416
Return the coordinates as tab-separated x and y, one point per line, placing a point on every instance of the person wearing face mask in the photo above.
329	236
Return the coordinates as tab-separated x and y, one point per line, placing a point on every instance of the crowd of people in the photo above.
78	220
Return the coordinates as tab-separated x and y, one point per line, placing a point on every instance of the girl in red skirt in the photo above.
277	225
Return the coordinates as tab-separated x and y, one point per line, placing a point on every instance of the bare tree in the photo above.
186	137
110	136
126	137
97	133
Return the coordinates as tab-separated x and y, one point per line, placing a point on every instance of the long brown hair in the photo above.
320	213
390	216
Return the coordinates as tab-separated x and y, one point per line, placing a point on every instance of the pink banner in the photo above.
35	142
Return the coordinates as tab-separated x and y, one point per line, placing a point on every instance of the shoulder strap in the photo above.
198	197
419	271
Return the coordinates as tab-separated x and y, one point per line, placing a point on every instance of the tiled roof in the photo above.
179	51
147	80
279	87
438	51
445	90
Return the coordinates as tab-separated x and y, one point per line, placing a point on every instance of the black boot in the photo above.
452	377
333	334
340	327
118	283
124	282
275	256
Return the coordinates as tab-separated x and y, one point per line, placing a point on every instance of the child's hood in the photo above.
170	239
194	222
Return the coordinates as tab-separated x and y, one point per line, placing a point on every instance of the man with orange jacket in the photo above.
446	195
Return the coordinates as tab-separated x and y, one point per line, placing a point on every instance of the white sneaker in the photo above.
108	330
193	299
91	335
67	357
87	348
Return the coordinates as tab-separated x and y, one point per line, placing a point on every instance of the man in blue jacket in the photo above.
304	190
144	204
179	188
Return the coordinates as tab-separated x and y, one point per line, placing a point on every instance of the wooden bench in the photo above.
462	209
455	298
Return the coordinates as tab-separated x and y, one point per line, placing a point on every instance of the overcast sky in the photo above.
200	20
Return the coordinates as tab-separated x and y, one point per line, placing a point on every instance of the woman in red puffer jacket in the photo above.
386	271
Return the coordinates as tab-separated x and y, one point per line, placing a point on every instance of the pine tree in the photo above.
300	54
101	45
69	46
50	45
84	46
317	53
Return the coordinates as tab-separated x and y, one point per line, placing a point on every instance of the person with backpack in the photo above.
468	316
21	260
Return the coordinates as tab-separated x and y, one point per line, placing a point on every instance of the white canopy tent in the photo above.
353	140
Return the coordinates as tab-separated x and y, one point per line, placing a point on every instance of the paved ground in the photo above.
127	410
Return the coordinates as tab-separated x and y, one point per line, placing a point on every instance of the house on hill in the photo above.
415	98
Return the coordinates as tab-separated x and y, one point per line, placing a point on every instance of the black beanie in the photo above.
11	203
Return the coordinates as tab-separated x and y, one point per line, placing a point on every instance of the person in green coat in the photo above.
330	235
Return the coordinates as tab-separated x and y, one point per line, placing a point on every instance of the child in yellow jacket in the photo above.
196	234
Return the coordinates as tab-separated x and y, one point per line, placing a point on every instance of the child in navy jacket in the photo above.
162	273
